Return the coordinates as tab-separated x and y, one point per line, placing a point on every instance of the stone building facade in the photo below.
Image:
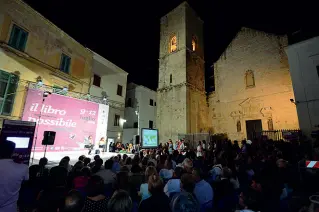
33	49
253	87
182	106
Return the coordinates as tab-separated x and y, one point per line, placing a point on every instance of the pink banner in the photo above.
73	120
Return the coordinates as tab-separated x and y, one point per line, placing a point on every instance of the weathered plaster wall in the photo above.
232	101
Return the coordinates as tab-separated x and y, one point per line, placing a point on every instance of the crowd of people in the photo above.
222	176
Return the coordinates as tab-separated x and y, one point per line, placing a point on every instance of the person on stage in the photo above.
102	144
90	144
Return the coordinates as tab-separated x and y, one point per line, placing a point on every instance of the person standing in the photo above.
12	175
199	149
170	146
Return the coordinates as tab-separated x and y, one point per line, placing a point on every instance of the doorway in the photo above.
253	129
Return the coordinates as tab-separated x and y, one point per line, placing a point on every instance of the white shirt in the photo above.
199	151
11	176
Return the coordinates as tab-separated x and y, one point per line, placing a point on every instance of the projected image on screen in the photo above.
149	138
21	142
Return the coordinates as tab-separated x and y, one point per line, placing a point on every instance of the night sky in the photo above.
127	32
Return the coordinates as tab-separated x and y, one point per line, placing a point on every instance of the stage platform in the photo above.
55	157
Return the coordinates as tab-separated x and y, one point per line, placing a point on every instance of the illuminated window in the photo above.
173	44
250	79
194	43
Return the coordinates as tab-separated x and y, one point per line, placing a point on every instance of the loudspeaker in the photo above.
137	139
48	137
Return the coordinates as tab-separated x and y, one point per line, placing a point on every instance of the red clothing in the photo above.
80	182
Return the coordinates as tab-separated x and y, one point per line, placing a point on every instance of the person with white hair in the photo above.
187	165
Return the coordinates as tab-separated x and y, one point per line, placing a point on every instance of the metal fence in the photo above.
276	135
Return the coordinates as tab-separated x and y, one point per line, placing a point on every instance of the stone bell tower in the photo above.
181	98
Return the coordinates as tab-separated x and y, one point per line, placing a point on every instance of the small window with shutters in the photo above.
97	80
119	90
18	38
249	79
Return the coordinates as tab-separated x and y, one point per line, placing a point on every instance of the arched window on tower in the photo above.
173	44
194	43
250	79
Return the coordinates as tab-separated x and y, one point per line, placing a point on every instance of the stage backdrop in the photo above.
76	122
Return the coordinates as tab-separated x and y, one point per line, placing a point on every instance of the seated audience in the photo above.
43	170
97	166
116	165
173	185
81	181
74	202
59	174
96	157
67	164
87	161
108	176
120	202
248	202
81	158
128	163
144	192
185	200
203	190
95	201
136	168
167	172
158	201
188	165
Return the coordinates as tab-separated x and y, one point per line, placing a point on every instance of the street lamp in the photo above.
44	96
138	121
